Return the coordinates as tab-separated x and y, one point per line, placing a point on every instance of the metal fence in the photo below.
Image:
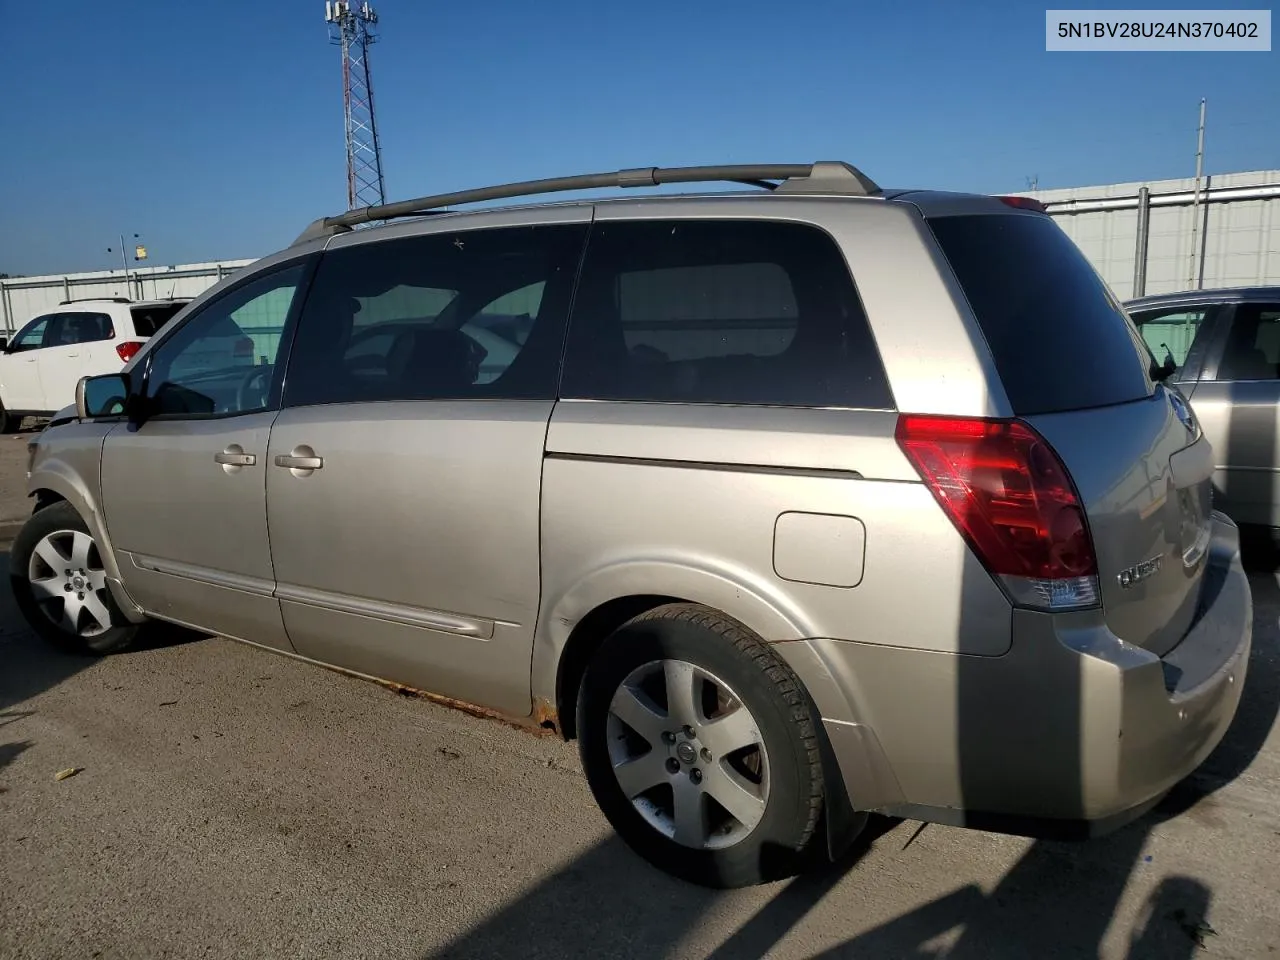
1142	238
22	298
1161	237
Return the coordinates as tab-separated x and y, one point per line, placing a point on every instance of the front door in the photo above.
404	471
1238	404
20	386
184	494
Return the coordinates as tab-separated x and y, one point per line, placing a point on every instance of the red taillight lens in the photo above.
128	349
1008	493
1024	203
243	347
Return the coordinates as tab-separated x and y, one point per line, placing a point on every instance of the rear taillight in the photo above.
243	347
1024	203
1009	494
128	349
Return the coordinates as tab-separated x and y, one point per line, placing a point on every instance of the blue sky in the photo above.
214	129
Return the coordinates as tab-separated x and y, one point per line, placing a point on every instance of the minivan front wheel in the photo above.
700	747
60	583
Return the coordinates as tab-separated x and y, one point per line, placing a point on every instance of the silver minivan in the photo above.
789	504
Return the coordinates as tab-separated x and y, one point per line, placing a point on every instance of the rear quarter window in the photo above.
1059	338
147	321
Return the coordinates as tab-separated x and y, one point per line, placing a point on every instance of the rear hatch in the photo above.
1075	368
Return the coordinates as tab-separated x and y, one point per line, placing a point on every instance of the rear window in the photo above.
1059	338
148	320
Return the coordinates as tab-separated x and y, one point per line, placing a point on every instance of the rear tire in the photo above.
8	422
723	787
58	580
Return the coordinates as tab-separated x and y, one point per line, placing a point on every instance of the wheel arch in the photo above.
55	482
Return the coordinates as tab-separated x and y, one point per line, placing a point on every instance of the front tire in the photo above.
59	582
700	747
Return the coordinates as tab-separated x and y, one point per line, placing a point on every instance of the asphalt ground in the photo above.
233	803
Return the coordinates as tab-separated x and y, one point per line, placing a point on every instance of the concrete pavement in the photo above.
232	803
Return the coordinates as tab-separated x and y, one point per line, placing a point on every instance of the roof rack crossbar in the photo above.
822	177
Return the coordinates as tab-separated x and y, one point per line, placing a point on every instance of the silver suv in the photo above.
790	505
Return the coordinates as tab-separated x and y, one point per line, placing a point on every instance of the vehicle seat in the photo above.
434	363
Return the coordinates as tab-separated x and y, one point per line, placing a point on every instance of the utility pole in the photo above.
1193	279
351	28
139	253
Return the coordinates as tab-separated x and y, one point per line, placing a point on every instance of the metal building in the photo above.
1138	235
1237	242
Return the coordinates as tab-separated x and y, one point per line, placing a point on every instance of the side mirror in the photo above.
102	396
4	342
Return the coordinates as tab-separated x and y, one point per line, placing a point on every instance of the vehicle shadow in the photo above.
31	666
1058	900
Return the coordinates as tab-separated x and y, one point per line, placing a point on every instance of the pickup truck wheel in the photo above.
59	582
699	745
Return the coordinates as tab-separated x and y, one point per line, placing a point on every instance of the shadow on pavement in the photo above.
1058	900
31	666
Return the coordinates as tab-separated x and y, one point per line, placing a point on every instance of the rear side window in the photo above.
472	314
69	329
147	321
1059	338
735	312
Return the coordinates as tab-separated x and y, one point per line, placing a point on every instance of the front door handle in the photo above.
229	458
233	458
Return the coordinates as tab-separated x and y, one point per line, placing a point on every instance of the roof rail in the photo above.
63	303
829	176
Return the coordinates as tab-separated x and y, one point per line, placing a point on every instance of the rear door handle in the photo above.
295	462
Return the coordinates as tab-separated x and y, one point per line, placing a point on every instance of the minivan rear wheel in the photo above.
60	583
700	748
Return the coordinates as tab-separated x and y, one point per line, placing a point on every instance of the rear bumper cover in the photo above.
1073	732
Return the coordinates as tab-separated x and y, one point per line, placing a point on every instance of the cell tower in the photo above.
351	28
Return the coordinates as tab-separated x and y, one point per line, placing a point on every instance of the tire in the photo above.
776	832
8	422
58	531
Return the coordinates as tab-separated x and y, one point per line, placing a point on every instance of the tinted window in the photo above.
741	312
1059	338
214	364
1253	345
472	314
1169	333
67	329
31	336
147	321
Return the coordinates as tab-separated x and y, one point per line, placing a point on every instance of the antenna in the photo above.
351	28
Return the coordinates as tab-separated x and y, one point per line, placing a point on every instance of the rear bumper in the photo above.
1072	732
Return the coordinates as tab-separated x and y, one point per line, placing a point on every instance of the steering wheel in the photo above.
245	399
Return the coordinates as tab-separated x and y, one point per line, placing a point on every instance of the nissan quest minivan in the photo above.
789	504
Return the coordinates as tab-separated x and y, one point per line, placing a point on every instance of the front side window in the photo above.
68	329
1170	332
1253	344
222	360
476	314
30	337
732	312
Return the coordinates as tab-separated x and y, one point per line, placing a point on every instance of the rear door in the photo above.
404	473
1075	367
1238	402
65	358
